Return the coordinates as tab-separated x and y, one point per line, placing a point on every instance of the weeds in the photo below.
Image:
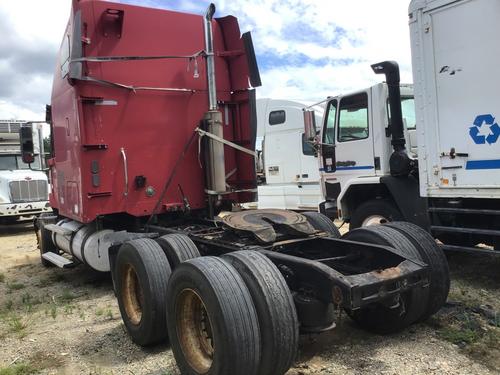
18	369
53	311
459	336
18	325
2	277
67	296
15	286
109	314
68	309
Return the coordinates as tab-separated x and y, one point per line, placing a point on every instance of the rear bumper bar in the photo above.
354	291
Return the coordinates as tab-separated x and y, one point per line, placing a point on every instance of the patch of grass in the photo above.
53	311
29	301
18	369
109	314
18	325
99	312
68	309
458	335
15	286
67	296
44	282
9	305
2	277
58	277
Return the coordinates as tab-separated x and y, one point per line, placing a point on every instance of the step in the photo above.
58	260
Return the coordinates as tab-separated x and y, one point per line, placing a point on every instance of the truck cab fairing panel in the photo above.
93	122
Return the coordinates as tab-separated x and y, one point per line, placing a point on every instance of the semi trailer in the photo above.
153	122
440	172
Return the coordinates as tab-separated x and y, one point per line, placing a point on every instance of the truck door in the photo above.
354	155
329	183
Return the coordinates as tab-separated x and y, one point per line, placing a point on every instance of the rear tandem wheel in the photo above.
279	326
212	322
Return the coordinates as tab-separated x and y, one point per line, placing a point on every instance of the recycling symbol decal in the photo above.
485	129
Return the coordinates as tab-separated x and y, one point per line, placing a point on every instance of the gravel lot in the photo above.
56	321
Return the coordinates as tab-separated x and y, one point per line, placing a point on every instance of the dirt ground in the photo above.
55	321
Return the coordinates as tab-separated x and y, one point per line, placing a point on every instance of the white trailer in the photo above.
23	187
290	166
454	54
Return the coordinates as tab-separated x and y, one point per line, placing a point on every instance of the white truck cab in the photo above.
290	163
23	187
355	150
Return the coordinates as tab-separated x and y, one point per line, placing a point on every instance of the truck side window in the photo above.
408	111
329	133
65	54
277	117
353	118
307	147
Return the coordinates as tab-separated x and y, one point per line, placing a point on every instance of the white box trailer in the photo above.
455	54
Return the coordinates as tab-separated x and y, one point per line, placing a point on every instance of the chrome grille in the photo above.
28	191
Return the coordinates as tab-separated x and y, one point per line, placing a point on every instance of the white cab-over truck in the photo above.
289	161
434	162
23	187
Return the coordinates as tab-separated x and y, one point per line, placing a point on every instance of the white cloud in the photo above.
309	41
31	34
360	31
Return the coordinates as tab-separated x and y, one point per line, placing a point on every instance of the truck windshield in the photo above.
12	162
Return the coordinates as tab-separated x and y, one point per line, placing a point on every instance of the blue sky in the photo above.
306	49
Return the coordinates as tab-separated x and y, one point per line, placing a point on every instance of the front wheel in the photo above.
374	212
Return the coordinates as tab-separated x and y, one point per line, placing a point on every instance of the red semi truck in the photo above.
153	128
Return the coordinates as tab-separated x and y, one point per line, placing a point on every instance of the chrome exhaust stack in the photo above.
215	162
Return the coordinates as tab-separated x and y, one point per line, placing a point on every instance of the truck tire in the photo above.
141	275
431	254
44	238
322	223
211	319
377	317
374	212
178	248
279	327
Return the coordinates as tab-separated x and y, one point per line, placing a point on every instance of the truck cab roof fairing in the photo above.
143	75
